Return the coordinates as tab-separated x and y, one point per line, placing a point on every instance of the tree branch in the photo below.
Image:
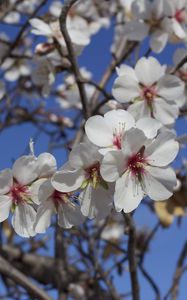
19	278
80	83
132	256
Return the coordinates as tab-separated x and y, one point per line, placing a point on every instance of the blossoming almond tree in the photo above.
84	211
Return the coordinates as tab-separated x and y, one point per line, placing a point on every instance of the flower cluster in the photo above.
164	20
123	162
127	149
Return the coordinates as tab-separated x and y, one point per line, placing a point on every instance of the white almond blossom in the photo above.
18	193
147	18
68	92
141	169
43	74
12	17
176	18
77	29
97	13
152	92
164	20
113	125
14	69
53	201
83	172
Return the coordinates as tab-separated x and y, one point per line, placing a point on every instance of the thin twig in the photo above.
80	83
151	281
132	256
19	278
173	291
120	56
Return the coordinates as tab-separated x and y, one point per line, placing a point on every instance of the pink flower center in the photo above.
59	197
136	164
183	75
117	136
93	170
148	93
117	141
19	193
180	15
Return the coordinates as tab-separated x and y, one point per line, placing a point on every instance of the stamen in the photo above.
117	135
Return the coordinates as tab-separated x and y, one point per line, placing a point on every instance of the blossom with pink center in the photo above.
135	164
77	28
163	20
150	92
113	125
175	20
141	169
53	201
18	190
82	173
110	127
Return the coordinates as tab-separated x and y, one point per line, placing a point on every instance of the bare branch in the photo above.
11	272
132	256
80	83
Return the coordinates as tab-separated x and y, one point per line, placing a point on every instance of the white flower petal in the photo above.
178	29
102	201
69	215
6	181
170	87
5	206
45	190
159	183
40	27
139	110
84	155
165	112
46	164
112	166
128	193
25	169
163	150
133	141
23	220
136	30
68	181
43	217
149	70
97	124
159	41
13	74
125	70
125	89
85	199
149	126
34	190
116	119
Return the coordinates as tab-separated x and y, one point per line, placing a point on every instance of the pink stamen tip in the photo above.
117	141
